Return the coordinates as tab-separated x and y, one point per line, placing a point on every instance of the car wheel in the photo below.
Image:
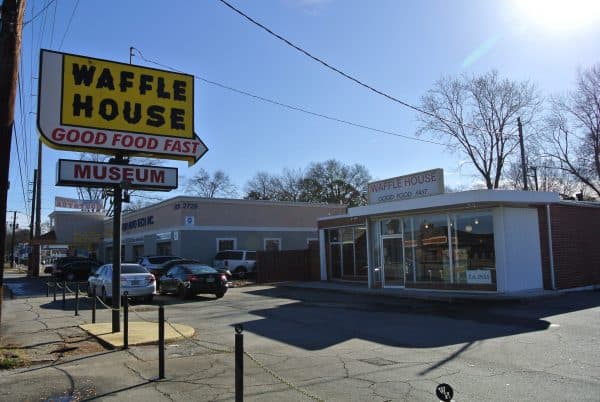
219	295
182	292
240	272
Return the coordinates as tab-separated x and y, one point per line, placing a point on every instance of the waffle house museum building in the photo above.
413	235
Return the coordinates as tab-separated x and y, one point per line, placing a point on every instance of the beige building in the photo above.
198	228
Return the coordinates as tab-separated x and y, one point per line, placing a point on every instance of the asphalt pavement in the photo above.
311	344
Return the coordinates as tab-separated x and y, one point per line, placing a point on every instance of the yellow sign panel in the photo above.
120	97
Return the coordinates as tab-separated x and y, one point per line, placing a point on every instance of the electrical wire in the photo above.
346	75
20	171
68	24
296	108
39	12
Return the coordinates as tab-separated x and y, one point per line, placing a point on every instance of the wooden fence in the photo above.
288	265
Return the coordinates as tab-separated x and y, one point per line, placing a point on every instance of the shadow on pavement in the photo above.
320	319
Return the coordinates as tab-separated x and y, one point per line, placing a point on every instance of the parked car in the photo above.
164	267
79	269
239	262
60	264
135	280
151	262
191	279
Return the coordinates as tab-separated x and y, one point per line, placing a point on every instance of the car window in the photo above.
133	269
159	259
251	255
174	271
200	269
221	256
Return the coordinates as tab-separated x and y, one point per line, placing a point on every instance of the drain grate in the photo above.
378	361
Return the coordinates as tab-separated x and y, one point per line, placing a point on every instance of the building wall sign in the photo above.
84	205
98	174
479	276
138	223
414	185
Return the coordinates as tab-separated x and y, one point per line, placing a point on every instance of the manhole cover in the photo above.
378	361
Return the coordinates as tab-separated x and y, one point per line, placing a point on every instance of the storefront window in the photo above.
431	248
360	251
473	245
390	227
347	253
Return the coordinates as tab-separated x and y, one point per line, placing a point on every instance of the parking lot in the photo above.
306	344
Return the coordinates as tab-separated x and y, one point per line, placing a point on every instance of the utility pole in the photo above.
38	213
12	240
30	256
523	165
10	48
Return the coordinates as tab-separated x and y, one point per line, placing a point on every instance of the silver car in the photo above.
135	280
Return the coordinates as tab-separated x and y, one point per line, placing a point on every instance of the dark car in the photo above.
59	268
191	279
164	267
79	269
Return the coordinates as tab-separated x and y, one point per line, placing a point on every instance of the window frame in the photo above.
267	239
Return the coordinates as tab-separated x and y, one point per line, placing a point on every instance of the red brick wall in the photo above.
576	245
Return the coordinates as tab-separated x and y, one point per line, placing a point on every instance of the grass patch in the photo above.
11	358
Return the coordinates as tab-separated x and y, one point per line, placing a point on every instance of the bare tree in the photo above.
262	186
478	116
333	182
210	186
573	130
101	194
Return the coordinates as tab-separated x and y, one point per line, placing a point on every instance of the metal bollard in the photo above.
54	290
239	363
161	342
94	305
77	299
125	321
64	289
48	289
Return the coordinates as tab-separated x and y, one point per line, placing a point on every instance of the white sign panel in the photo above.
479	276
414	185
97	174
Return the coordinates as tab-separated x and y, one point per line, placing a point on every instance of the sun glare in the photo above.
559	15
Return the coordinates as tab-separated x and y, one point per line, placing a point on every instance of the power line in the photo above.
39	12
69	24
296	108
20	168
342	73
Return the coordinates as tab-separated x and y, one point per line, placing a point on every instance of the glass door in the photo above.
336	260
393	261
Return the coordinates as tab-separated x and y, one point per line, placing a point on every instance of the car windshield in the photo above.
133	269
200	269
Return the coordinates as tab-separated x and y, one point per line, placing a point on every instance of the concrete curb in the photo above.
424	295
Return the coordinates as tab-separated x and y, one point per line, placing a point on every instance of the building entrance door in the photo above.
393	261
336	260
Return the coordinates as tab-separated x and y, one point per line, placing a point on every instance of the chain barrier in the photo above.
283	380
251	357
132	308
107	306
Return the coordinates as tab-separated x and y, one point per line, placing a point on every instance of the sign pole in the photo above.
116	272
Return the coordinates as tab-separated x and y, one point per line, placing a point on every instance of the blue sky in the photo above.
399	47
